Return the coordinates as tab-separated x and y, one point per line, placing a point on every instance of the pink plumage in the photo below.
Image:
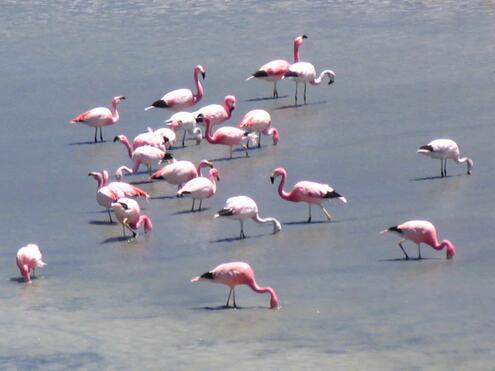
180	172
99	117
306	191
29	258
421	231
304	72
179	99
234	274
275	70
216	113
200	187
129	214
259	121
443	150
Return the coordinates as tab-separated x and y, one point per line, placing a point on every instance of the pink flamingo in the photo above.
445	149
29	258
149	138
187	122
182	98
421	231
180	172
243	207
119	173
99	117
169	133
275	70
305	72
106	192
305	191
259	121
217	113
200	188
237	273
146	154
227	135
129	215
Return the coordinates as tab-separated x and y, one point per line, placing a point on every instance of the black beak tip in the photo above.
115	139
272	179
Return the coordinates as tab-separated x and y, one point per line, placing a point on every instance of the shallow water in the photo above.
407	72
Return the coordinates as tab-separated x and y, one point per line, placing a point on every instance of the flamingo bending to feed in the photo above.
200	188
29	258
275	70
306	191
149	138
227	135
243	207
179	99
169	133
146	154
217	113
180	172
187	122
99	117
443	150
237	273
128	213
421	231
259	121
305	72
106	192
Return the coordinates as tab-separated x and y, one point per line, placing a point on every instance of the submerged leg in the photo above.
110	215
228	297
233	296
295	98
309	219
245	149
259	140
304	93
402	248
192	209
96	133
242	236
275	92
184	138
101	134
200	203
419	252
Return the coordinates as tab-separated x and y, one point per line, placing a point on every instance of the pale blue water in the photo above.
407	72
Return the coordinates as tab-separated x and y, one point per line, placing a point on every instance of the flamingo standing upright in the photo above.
275	70
129	214
187	122
106	192
259	121
243	207
200	188
29	258
179	99
305	72
234	274
443	150
421	231
180	172
99	117
227	135
306	191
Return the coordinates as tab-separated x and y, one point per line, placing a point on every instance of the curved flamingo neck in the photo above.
274	302
199	86
466	160
100	179
143	220
285	195
115	113
228	108
123	139
200	166
276	224
318	80
211	139
273	132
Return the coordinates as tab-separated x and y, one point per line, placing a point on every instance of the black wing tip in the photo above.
225	212
427	148
260	73
394	229
207	275
290	74
332	194
159	104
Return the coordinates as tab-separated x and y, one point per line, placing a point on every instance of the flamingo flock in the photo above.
152	147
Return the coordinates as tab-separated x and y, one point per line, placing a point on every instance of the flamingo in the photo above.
169	133
305	72
149	138
242	208
187	122
146	154
237	273
129	215
445	149
106	192
275	70
179	99
200	188
305	191
259	121
227	135
421	231
180	172
100	116
119	173
217	113
29	258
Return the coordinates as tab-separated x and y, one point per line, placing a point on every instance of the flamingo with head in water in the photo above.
275	70
421	231
129	214
234	274
179	99
306	191
443	150
29	258
99	117
259	121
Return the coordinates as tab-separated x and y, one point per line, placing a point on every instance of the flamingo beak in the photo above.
218	178
203	74
116	139
272	179
121	97
209	163
200	118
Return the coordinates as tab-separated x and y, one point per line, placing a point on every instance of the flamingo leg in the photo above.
32	275
228	297
126	225
200	203
275	92
192	209
402	248
304	93
245	149
101	134
309	219
184	138
419	252
259	140
233	297
96	132
110	215
296	93
149	170
327	214
242	236
230	151
445	167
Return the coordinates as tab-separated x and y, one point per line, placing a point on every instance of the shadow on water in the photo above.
232	239
406	260
433	178
189	211
305	222
118	239
86	143
21	279
164	197
299	105
265	98
220	159
223	307
102	222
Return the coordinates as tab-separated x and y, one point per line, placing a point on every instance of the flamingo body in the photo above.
421	231
259	121
147	155
180	172
304	72
234	274
443	150
149	138
187	122
129	214
242	208
29	258
217	113
200	188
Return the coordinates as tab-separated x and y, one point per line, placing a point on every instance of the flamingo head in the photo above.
279	171
200	69
450	248
207	163
230	102
120	138
214	173
275	136
331	76
299	40
118	98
